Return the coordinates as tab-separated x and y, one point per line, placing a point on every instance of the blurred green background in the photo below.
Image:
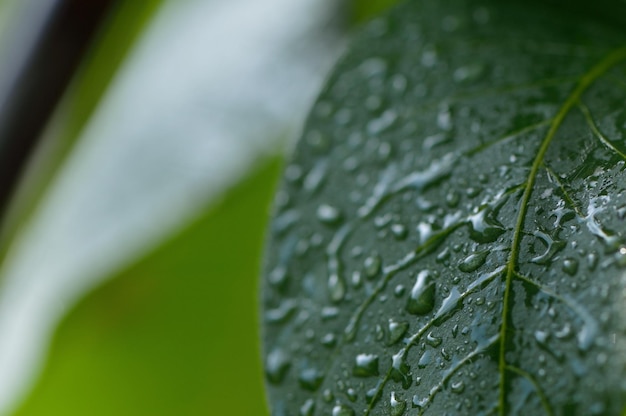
174	330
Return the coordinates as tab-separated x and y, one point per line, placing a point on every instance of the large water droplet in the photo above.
276	365
433	340
371	265
473	261
553	246
308	408
484	228
328	214
397	405
329	340
336	288
396	331
400	370
449	304
342	410
310	379
422	298
570	266
365	365
425	359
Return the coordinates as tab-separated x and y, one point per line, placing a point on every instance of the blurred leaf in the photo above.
363	11
175	334
166	138
454	237
117	36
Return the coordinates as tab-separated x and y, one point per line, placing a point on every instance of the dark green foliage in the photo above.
449	237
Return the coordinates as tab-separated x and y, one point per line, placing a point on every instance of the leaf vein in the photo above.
594	73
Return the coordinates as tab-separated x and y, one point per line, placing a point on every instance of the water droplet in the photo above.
310	379
437	170
473	261
444	118
276	365
308	408
329	340
435	140
382	123
553	246
379	333
592	260
373	66
328	214
382	220
365	365
316	176
425	359
397	405
282	313
336	288
371	265
399	291
422	298
449	304
469	73
399	82
417	403
278	278
293	173
384	151
445	354
457	387
400	370
351	394
342	410
429	56
433	340
327	395
396	331
317	141
399	231
329	312
570	266
443	256
564	332
484	228
373	394
452	199
541	336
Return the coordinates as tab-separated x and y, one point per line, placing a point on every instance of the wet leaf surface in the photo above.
449	237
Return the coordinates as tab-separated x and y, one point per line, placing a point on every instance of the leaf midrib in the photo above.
594	73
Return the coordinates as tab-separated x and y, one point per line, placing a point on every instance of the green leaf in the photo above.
174	334
450	238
